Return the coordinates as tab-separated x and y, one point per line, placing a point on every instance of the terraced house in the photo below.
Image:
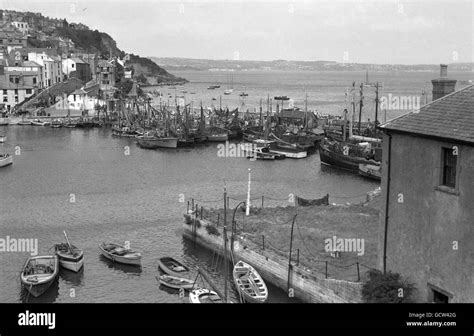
426	229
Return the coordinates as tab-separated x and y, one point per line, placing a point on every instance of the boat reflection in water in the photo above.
128	269
72	278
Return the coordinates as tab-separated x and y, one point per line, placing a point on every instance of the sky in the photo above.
381	32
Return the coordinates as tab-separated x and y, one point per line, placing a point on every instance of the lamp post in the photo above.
234	226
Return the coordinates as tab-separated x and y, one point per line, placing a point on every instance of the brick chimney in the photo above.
443	86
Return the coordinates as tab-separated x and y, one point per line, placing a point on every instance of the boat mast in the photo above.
226	262
361	103
376	107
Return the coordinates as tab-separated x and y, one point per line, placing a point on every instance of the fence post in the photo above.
192	204
263	242
297	257
326	269
218	215
187	208
262	202
201	211
228	202
358	273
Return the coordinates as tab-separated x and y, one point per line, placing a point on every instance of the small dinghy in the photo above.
172	267
70	257
5	160
201	295
249	283
39	273
120	254
175	282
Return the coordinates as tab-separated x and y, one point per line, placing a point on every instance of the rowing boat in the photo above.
175	282
249	283
202	295
39	273
120	254
172	267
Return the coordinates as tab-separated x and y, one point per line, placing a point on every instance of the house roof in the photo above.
78	60
449	117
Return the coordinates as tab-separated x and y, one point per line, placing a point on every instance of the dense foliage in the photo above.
387	288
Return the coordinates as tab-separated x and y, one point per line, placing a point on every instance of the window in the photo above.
439	297
5	92
16	99
17	80
72	65
28	91
449	163
5	99
16	91
34	80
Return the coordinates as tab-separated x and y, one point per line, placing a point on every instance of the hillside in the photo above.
171	63
66	38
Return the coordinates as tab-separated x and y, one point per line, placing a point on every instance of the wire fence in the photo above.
302	255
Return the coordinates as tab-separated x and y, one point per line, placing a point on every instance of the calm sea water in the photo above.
325	90
135	197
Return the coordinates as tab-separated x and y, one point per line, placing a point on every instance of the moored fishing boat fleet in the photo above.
288	132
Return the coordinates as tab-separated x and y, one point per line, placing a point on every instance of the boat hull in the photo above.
36	285
202	295
370	171
217	137
158	143
169	266
175	282
249	283
289	153
339	160
74	266
6	160
121	259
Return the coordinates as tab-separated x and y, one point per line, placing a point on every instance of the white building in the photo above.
21	26
51	66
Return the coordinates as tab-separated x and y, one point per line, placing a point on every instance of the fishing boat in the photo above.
249	283
172	267
151	141
56	123
5	160
262	153
370	171
85	123
70	257
228	91
37	122
175	282
217	134
346	155
71	124
292	151
202	295
120	254
39	273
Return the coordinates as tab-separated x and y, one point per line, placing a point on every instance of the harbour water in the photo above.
101	188
325	89
135	198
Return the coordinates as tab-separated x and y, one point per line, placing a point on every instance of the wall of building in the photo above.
424	229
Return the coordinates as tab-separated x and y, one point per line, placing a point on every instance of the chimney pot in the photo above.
443	70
